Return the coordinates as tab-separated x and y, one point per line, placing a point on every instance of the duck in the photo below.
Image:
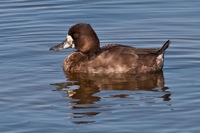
89	57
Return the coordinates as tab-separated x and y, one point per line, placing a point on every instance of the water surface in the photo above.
36	96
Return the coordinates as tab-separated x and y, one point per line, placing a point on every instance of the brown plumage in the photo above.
112	58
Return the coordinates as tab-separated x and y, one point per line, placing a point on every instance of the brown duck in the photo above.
112	58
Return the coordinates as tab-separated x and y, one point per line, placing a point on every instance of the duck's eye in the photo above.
76	35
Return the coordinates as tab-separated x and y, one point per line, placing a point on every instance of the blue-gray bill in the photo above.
61	46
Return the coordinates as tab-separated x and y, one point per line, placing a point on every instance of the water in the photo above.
36	96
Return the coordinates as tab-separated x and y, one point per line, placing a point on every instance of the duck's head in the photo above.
80	36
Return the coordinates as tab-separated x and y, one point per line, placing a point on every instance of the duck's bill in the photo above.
67	43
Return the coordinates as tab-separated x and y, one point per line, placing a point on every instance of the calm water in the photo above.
36	96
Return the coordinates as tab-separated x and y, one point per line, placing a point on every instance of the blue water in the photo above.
36	96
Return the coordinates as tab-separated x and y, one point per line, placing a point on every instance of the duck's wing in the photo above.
157	51
146	51
125	50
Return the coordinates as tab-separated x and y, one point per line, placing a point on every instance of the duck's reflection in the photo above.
82	90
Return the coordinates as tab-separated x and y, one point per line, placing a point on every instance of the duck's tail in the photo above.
164	47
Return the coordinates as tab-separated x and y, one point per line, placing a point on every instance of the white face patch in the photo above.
69	39
69	43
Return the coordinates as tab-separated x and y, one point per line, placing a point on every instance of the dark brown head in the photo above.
82	37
